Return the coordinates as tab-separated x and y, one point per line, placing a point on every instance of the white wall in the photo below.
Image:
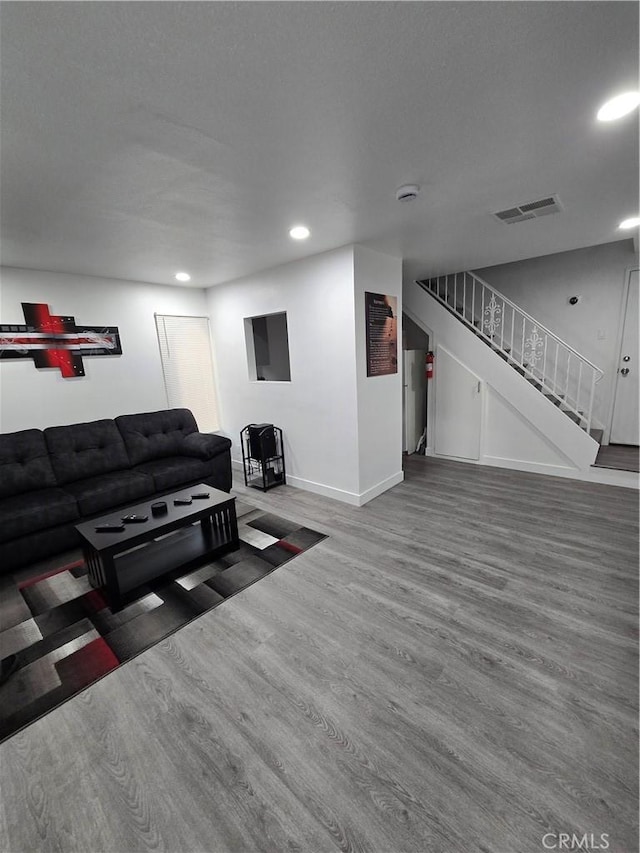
379	397
509	436
113	385
543	286
317	409
342	431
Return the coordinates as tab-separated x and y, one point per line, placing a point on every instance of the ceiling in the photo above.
142	138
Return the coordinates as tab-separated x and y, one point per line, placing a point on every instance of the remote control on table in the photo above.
110	528
182	501
130	519
201	496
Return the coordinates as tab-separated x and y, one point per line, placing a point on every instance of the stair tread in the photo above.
555	400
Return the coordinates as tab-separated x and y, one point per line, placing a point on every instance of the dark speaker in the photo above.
262	441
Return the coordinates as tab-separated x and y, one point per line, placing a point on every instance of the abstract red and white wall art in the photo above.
53	341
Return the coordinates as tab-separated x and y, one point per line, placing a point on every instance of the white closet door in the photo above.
458	408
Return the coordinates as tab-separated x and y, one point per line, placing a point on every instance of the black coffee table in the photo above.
115	561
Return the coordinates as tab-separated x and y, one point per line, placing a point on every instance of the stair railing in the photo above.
552	365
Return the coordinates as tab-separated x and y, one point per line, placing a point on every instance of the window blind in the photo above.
187	364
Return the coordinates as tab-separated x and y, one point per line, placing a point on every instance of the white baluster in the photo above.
464	295
513	326
473	302
593	388
579	383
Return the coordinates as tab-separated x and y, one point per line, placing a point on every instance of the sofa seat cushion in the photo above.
99	494
85	450
36	546
24	463
176	471
205	446
155	435
24	514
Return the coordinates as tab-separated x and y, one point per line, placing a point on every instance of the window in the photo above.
268	348
187	365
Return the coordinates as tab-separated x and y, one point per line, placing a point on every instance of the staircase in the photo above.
555	369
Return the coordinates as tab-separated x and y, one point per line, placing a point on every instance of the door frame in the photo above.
431	398
618	349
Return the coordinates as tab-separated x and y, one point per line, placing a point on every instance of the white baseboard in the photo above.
531	467
321	489
431	452
352	498
613	477
381	487
607	476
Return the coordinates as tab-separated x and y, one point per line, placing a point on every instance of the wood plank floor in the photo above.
455	669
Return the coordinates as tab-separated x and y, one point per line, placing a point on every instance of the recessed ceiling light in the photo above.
299	232
633	222
183	276
619	106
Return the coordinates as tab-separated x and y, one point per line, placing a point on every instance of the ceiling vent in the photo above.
530	210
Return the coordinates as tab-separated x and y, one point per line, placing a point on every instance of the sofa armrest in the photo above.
204	446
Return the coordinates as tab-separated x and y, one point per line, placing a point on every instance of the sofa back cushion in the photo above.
24	463
85	450
154	435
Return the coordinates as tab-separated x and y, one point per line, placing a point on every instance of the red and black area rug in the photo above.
66	637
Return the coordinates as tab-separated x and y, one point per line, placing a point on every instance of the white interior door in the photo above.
458	408
625	425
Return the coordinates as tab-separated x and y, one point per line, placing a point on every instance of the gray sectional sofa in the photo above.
50	480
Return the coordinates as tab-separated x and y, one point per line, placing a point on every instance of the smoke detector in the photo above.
409	192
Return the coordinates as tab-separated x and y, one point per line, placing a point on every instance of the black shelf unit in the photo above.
263	456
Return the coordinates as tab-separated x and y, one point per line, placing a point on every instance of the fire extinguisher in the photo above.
429	365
